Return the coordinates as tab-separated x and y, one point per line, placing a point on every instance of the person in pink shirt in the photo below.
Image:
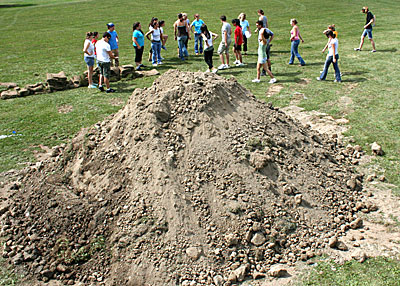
295	38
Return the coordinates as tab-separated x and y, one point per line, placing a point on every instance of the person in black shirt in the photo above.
367	30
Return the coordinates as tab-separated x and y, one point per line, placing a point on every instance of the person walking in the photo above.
181	30
367	30
88	56
155	39
295	38
237	47
332	57
226	41
114	41
208	38
198	43
262	53
104	56
244	24
138	44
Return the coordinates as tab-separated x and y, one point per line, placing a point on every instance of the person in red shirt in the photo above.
237	47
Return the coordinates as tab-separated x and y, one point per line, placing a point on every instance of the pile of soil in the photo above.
193	181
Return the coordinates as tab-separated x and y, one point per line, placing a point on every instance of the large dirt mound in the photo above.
192	179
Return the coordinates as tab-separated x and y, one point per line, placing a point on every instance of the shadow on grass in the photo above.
393	50
280	52
355	73
295	80
315	64
287	74
16	5
358	79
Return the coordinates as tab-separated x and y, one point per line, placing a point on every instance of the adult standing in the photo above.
208	38
263	18
155	39
332	57
114	41
226	41
185	17
88	50
262	53
244	24
197	23
237	47
367	29
181	30
138	44
295	38
104	56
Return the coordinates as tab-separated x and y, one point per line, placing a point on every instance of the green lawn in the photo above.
47	36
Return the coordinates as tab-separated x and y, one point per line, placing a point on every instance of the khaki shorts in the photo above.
224	49
104	68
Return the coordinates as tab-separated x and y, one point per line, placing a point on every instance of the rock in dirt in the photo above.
278	271
359	255
193	252
258	239
357	223
377	149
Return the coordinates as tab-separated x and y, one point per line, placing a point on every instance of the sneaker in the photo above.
357	49
214	70
110	90
236	62
196	54
256	80
154	65
318	78
160	63
221	67
101	88
273	80
161	58
142	66
321	72
239	64
373	51
138	68
339	81
163	47
95	84
208	70
92	86
226	67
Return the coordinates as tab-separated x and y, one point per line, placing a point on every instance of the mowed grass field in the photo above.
47	36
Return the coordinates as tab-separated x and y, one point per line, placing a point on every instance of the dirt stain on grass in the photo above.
65	108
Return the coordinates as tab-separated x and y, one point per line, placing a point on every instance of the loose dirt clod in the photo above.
193	180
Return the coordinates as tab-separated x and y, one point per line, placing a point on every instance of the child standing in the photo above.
237	47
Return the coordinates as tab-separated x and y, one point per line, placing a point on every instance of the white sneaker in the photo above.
239	64
226	66
221	67
236	62
214	70
273	80
256	80
160	63
208	70
154	65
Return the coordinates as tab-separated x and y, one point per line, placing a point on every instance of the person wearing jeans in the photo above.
332	57
156	36
181	30
295	38
197	23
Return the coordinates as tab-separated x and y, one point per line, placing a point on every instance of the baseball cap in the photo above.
109	25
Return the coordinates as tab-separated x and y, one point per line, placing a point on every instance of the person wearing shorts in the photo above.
104	55
367	30
88	50
226	41
262	53
237	48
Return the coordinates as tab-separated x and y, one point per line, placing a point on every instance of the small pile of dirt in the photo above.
193	180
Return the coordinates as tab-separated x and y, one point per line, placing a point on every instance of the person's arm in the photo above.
263	39
85	50
191	27
205	39
301	37
187	29
117	40
111	55
136	42
326	46
175	30
148	34
161	37
334	53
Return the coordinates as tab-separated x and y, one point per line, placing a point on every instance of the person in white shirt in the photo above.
208	38
104	56
332	57
88	50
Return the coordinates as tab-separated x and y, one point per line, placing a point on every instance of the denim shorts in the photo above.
369	32
89	61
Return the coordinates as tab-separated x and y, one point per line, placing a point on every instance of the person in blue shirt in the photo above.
244	24
197	23
113	43
138	44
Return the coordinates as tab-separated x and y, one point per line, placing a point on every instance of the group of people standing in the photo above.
106	49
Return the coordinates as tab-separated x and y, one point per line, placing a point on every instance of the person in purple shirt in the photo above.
113	42
197	23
